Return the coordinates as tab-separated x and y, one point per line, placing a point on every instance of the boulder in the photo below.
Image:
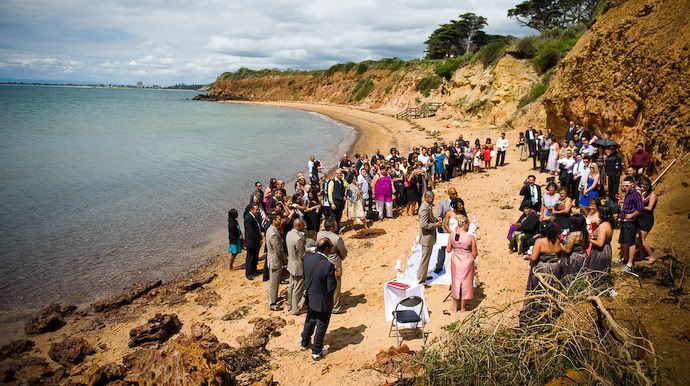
15	348
70	351
158	329
50	318
131	293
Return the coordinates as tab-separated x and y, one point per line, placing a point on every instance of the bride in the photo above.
450	222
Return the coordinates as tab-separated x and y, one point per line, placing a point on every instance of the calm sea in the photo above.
100	188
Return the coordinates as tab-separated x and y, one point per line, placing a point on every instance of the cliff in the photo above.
629	76
486	94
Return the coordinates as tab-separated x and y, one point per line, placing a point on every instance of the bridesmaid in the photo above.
575	246
600	257
463	247
544	257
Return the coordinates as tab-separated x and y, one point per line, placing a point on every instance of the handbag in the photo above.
407	184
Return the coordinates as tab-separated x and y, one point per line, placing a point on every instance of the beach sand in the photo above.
355	337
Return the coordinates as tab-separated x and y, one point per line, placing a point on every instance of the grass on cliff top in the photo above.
546	50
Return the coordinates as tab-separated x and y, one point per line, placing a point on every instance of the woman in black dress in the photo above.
313	211
646	217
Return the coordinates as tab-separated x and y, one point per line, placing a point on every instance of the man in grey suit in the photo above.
428	225
276	260
295	241
336	255
446	206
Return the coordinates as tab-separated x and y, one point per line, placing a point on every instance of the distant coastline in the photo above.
74	85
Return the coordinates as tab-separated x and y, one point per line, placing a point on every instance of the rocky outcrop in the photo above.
27	370
135	291
51	318
628	77
184	360
158	329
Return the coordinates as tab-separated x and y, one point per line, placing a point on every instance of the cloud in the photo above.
170	41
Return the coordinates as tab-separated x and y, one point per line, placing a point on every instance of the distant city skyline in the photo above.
165	43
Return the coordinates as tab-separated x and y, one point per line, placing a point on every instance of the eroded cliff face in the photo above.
489	95
629	76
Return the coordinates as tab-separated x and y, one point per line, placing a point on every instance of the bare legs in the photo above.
646	247
462	303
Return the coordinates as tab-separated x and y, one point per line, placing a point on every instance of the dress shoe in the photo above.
320	355
276	308
284	282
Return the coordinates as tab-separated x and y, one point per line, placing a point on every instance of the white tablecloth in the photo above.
413	262
392	296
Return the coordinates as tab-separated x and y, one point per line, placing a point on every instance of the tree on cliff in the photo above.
457	37
545	14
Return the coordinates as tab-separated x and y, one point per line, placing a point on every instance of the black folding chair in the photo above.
408	316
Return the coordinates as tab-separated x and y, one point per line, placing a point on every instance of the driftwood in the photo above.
664	172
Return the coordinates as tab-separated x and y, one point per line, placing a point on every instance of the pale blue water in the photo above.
103	187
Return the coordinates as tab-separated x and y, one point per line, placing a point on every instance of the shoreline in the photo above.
363	136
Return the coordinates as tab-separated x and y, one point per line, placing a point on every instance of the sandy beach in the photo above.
355	337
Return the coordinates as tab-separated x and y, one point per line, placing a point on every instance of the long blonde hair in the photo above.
462	220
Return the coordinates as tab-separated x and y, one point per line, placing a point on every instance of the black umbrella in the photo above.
604	142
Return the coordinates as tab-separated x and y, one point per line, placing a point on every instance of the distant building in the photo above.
140	84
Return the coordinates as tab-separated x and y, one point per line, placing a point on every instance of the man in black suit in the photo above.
319	285
531	138
252	239
531	193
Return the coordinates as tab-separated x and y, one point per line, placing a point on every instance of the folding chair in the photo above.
408	316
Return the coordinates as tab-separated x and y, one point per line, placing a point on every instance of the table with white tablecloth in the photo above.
392	295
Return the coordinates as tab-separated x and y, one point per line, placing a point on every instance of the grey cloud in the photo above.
170	41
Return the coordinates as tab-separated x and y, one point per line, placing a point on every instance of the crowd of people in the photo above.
566	229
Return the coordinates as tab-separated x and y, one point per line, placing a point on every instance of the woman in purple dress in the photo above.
383	193
463	247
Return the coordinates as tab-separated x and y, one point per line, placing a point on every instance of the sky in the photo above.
174	41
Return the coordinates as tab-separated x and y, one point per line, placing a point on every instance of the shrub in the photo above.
550	53
362	68
431	82
447	67
362	88
389	88
491	52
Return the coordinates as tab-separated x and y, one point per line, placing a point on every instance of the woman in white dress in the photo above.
355	204
450	222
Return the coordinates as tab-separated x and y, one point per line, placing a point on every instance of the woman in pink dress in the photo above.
463	247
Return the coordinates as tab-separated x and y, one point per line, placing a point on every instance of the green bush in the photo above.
447	67
431	82
362	88
550	53
388	89
476	106
362	68
491	52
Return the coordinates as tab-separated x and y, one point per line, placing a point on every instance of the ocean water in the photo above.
100	188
